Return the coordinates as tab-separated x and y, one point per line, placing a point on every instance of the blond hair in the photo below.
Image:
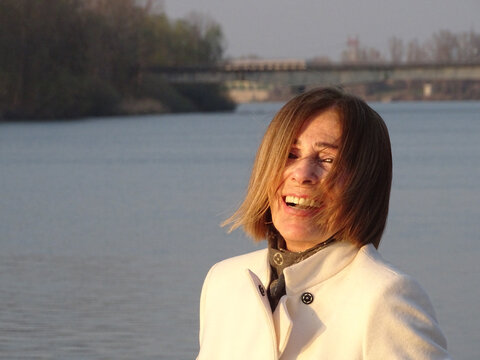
357	186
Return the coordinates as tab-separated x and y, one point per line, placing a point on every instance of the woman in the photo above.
319	193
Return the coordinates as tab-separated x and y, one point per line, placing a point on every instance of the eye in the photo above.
326	160
292	155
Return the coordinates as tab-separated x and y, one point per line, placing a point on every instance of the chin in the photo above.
301	239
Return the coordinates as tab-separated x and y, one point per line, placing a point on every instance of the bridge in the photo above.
300	73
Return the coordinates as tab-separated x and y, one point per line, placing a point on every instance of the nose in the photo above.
306	172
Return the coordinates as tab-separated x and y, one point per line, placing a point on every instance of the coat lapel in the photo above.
263	306
280	329
283	324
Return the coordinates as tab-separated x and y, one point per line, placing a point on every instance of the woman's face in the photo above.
311	157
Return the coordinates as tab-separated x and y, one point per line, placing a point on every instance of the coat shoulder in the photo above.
233	270
382	283
254	261
379	271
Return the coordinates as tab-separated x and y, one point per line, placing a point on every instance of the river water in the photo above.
108	226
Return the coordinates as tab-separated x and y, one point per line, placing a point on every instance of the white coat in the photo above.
342	303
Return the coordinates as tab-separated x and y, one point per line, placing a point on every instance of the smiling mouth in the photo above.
301	203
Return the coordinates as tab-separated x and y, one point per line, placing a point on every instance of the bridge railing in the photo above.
296	74
301	65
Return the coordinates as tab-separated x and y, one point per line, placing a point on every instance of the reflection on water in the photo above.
108	226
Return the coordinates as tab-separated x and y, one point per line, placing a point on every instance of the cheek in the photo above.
285	174
279	188
276	204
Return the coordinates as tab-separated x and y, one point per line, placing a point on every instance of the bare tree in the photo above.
468	45
206	36
152	6
474	40
359	54
445	47
397	50
372	56
416	53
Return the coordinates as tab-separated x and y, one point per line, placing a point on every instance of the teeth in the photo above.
301	201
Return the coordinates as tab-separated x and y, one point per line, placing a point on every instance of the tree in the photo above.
62	58
473	45
208	37
445	47
416	53
35	51
396	50
359	54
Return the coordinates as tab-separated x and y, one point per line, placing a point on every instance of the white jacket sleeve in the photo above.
402	325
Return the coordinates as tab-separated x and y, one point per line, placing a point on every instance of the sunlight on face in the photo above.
311	157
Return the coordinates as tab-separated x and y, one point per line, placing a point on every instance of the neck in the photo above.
304	246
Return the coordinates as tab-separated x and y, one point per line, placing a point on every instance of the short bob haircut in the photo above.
357	186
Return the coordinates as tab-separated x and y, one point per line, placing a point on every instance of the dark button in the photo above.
307	298
262	290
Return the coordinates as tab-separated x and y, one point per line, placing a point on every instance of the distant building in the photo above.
352	54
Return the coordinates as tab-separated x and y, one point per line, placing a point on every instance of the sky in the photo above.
303	29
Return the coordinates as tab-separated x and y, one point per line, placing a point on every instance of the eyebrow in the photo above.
320	144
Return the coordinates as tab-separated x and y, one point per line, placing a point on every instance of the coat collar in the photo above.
298	277
319	267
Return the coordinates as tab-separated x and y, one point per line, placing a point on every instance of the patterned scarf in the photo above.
279	258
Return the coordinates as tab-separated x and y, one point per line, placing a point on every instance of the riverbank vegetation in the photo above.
73	58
